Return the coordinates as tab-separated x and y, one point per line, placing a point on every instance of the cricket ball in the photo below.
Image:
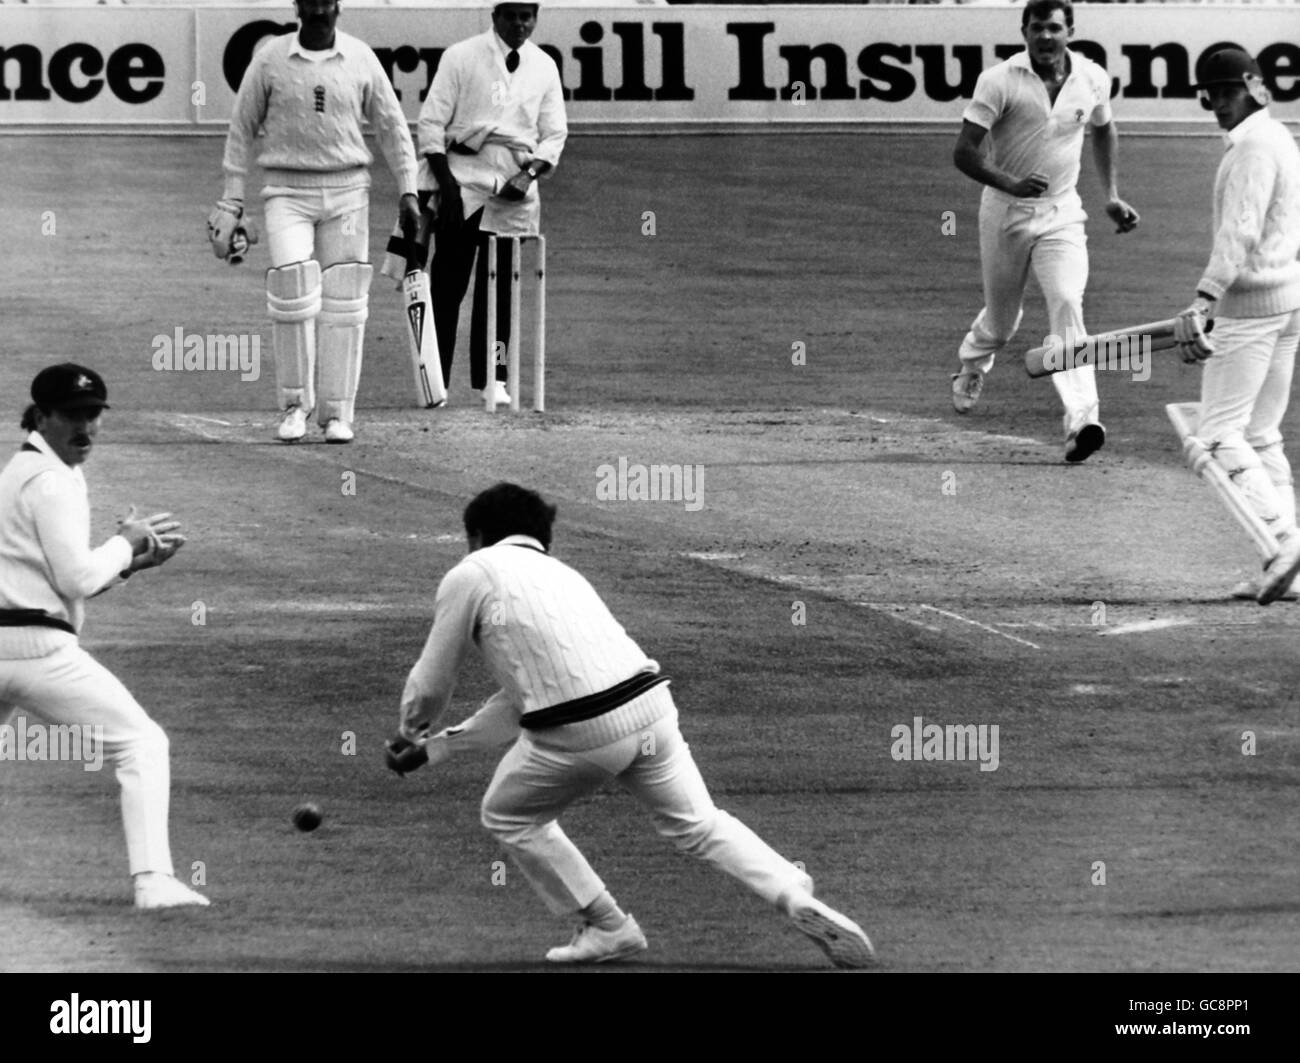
307	817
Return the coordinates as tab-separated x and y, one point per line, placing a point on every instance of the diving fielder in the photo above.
309	92
47	570
1251	287
1033	108
581	704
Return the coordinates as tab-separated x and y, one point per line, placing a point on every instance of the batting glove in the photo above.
1190	329
229	232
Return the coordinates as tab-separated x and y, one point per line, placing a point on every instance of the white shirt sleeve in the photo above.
988	100
384	113
1101	113
439	107
1247	192
62	521
432	679
246	118
552	123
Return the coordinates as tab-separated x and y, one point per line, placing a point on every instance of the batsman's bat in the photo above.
1107	350
430	391
1185	417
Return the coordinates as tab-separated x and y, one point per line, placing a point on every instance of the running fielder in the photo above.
581	704
1251	288
47	570
1033	108
308	93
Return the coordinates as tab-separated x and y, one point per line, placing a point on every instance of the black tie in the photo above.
512	61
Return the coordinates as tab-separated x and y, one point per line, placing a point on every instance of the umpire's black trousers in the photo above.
454	256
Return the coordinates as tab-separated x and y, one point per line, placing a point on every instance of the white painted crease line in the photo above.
1147	625
893	613
983	627
188	423
210	420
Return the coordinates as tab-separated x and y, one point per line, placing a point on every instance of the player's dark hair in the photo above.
508	509
1041	9
28	423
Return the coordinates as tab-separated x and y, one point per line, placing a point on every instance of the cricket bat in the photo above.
1108	350
430	391
1185	417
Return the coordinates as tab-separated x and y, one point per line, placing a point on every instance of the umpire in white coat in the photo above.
492	125
47	570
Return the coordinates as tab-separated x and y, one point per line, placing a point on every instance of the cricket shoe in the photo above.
156	890
338	431
1282	570
590	944
966	388
294	425
502	395
1086	441
836	935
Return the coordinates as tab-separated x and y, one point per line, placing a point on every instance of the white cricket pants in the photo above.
330	225
1048	237
1245	387
533	784
69	686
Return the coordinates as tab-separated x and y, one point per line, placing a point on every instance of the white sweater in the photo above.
1253	269
545	635
45	557
311	111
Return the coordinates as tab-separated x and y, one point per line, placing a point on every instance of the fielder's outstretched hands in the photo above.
154	539
404	756
1190	328
1125	217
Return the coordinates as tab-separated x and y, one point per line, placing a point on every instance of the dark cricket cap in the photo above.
69	386
1226	66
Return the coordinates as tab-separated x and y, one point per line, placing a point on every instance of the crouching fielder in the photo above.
582	704
47	570
309	93
1251	286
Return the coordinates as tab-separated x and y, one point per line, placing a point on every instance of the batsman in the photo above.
1251	288
309	93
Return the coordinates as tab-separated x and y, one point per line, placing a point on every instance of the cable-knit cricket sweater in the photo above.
311	106
1253	269
546	637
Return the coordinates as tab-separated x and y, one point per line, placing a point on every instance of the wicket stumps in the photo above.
514	382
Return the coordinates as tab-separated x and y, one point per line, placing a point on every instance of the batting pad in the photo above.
341	329
293	299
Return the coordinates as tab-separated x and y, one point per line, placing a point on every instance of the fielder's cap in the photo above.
68	386
1225	67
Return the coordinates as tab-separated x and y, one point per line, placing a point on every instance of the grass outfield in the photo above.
862	556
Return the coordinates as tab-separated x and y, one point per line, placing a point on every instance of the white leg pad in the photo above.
293	299
1275	463
341	330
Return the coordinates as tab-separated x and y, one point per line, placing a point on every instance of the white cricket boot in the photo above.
294	425
843	941
156	890
590	944
1283	569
